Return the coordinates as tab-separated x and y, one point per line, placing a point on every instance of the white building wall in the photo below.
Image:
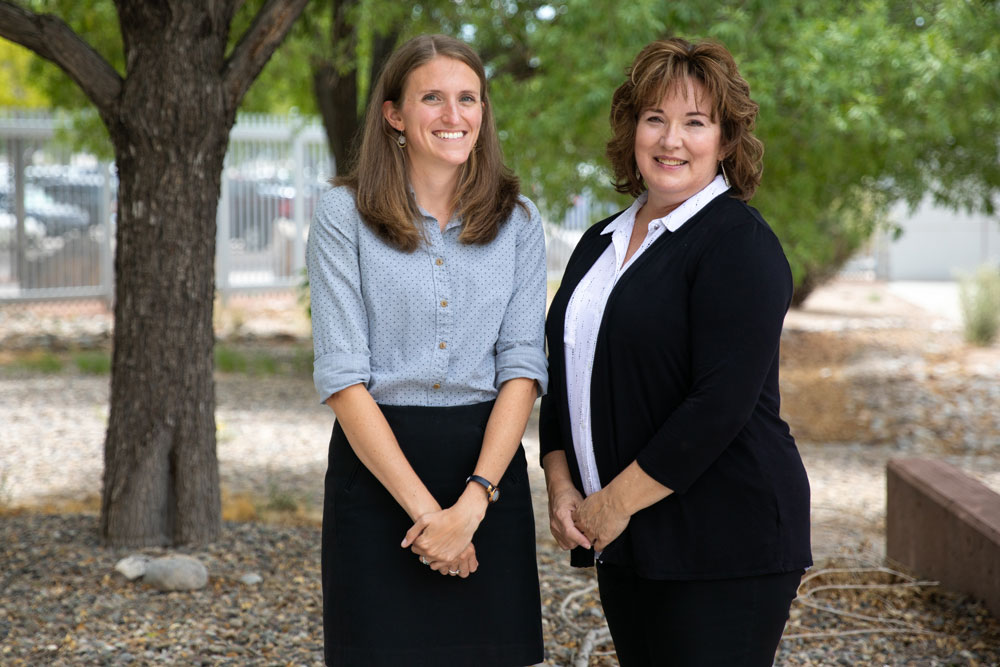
939	244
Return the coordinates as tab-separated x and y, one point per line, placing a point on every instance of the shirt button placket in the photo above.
442	284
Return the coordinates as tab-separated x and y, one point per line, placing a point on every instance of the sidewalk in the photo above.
938	298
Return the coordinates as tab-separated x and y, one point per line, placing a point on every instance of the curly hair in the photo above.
660	67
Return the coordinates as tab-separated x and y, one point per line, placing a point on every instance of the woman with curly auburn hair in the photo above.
427	287
664	452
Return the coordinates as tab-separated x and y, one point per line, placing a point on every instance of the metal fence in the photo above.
57	210
275	172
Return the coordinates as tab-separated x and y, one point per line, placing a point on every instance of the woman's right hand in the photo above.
564	498
562	504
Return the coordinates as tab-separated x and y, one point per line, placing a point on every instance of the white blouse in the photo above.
586	310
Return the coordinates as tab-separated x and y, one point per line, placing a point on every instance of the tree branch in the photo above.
257	45
52	39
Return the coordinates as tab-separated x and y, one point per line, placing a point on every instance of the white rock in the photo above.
251	579
133	566
176	573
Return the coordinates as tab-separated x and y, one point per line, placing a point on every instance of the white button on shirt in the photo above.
585	312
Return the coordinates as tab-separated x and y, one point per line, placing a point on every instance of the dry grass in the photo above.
90	504
241	507
815	392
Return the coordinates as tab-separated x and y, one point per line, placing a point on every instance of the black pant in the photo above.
724	622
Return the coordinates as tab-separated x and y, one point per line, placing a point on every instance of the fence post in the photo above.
20	264
299	210
106	259
882	269
222	259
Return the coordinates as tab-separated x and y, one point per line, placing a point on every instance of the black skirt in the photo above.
381	606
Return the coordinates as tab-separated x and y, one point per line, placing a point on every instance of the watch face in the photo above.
492	492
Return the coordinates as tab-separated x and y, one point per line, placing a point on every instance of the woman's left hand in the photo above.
466	564
602	518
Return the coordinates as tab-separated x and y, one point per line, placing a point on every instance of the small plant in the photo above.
5	493
93	362
302	360
302	290
250	362
280	500
229	360
979	298
41	362
262	364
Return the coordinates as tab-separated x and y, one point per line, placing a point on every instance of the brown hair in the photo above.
664	64
487	190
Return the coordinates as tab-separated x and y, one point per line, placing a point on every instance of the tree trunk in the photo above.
169	121
161	481
335	86
335	83
842	249
337	97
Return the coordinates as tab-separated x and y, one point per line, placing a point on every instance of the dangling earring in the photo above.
401	140
725	177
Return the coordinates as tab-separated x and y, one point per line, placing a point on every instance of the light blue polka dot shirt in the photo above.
444	325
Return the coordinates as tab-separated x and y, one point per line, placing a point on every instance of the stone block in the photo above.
944	525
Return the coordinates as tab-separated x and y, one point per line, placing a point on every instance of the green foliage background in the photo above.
863	104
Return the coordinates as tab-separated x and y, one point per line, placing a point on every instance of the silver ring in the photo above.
424	561
454	572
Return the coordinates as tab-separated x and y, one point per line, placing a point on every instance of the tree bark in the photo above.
161	482
169	120
178	103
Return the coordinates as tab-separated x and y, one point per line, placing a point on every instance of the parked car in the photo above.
255	205
34	232
75	185
57	218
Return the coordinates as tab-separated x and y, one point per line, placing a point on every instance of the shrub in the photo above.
40	361
979	297
96	362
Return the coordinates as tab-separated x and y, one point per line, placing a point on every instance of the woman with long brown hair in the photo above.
427	277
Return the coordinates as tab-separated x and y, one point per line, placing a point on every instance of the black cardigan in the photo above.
685	381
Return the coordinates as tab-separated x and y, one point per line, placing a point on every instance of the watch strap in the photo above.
492	492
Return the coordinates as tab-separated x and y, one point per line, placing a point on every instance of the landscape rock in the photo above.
176	573
132	567
251	579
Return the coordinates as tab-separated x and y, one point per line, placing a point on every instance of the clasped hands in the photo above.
443	538
594	521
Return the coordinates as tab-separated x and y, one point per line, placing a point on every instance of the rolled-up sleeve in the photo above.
520	347
339	319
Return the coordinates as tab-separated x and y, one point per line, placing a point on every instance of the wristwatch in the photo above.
492	492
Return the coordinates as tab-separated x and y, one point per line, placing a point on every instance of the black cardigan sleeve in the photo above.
740	290
551	435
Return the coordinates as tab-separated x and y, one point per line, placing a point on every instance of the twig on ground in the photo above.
594	638
896	626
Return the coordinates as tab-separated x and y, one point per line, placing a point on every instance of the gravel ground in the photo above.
863	383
